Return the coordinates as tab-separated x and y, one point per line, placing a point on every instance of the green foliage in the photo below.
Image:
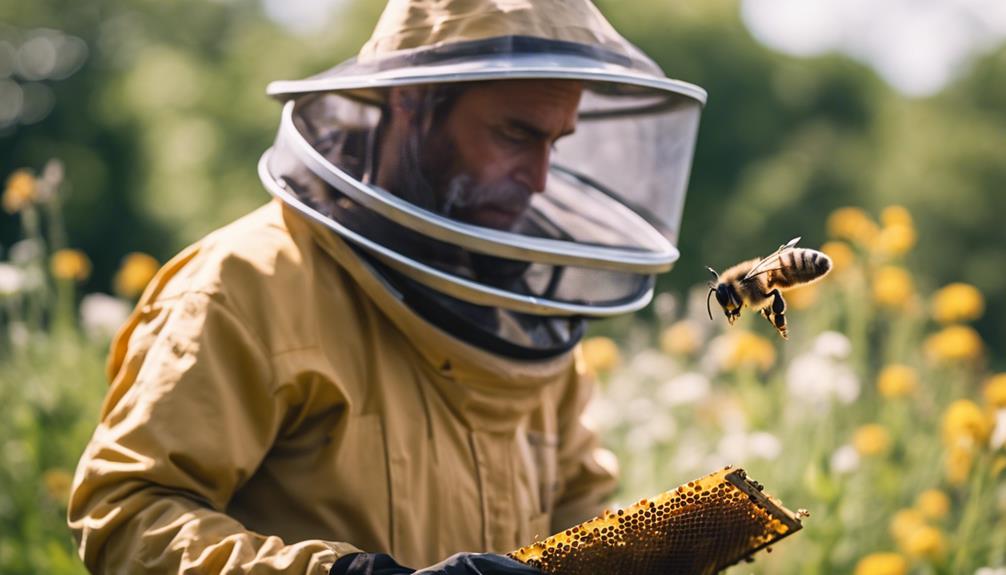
51	391
161	128
865	416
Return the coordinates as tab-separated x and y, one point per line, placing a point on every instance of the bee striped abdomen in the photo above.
799	266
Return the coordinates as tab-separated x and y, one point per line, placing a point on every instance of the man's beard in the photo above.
431	179
455	194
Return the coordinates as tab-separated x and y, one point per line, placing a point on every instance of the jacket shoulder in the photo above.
268	273
249	249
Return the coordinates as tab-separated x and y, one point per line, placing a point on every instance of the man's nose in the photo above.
533	171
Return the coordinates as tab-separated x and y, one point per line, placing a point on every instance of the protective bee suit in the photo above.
368	367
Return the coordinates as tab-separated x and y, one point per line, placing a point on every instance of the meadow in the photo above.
880	415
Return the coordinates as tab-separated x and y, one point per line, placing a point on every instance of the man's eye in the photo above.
513	135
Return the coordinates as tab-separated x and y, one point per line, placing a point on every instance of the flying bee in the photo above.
759	283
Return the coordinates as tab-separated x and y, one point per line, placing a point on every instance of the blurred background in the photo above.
876	130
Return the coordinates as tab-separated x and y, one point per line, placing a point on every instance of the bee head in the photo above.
731	309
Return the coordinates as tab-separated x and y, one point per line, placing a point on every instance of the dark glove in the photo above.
457	564
479	564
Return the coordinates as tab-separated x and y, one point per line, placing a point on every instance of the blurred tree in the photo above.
784	141
162	126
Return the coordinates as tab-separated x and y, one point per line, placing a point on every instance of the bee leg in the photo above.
776	313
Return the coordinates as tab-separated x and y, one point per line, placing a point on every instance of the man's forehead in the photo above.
552	101
544	92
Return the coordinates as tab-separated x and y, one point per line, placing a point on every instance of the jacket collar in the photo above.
490	391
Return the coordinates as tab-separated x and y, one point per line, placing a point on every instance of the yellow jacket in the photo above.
273	407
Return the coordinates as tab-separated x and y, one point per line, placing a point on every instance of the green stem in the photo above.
972	511
65	317
56	225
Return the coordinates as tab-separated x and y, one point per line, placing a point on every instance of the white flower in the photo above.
601	414
999	433
690	454
764	445
652	364
991	571
101	315
715	357
817	381
740	447
684	389
622	387
661	427
845	460
639	410
665	305
11	279
731	416
25	251
716	461
832	344
639	439
733	447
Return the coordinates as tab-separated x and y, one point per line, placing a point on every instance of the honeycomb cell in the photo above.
698	528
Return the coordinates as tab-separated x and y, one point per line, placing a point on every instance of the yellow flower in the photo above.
964	420
57	484
134	274
958	464
905	522
895	240
70	265
954	343
896	216
897	380
892	287
995	391
958	302
842	257
601	354
20	191
681	338
933	504
852	224
803	297
871	439
925	542
898	234
750	349
882	564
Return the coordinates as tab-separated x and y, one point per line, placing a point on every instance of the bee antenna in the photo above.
712	288
709	310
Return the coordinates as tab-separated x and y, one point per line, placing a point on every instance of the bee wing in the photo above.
772	262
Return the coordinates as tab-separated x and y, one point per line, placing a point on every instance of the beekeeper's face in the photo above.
488	153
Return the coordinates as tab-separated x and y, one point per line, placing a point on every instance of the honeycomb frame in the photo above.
701	527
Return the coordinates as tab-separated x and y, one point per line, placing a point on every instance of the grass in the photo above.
878	416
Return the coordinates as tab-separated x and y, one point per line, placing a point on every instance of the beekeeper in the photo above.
379	368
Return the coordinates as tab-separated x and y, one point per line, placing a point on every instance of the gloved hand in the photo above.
457	564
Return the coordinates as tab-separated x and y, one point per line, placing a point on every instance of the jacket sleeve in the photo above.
588	473
191	413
